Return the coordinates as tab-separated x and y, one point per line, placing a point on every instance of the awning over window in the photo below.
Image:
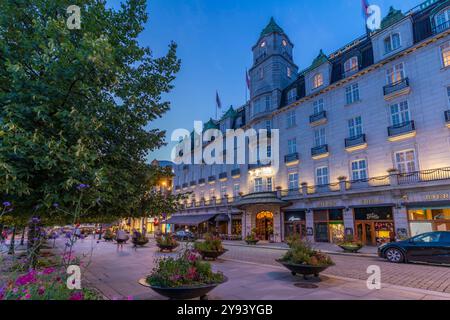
190	220
222	218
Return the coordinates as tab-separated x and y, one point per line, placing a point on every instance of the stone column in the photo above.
342	183
310	224
276	226
393	177
349	221
401	222
304	188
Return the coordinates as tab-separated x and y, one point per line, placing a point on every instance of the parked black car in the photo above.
183	235
431	247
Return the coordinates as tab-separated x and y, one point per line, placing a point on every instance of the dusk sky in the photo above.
215	38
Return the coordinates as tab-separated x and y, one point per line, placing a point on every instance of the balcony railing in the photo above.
318	117
235	172
193	183
202	181
177	188
223	176
447	116
211	179
424	176
258	165
291	157
319	151
396	87
355	141
185	185
442	27
401	129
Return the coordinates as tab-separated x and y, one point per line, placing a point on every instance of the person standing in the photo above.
121	238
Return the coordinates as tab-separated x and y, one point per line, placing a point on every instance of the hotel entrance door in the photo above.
364	232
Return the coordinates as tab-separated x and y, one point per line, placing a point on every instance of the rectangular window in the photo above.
392	43
223	191
359	170
269	152
322	176
261	73
258	185
202	194
318	106
400	113
319	137
236	190
445	53
269	184
268	125
352	93
293	181
395	73
355	127
351	65
212	193
318	80
289	72
292	146
268	103
448	95
406	161
292	95
291	118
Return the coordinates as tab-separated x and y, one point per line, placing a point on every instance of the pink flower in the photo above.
130	298
48	270
28	296
26	279
41	291
76	296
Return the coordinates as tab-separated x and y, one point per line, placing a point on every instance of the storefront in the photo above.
428	216
295	224
374	225
329	225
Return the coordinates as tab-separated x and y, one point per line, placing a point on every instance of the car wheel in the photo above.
394	255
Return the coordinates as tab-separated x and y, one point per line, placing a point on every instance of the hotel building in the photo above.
364	139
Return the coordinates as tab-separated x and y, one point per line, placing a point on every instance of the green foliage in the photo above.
300	252
350	241
75	107
167	240
211	243
183	271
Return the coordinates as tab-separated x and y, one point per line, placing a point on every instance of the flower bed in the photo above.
350	244
210	248
166	243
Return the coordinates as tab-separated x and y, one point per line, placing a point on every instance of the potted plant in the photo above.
141	240
251	238
166	243
302	259
350	244
210	248
109	235
183	277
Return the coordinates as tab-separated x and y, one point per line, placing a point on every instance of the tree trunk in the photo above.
34	242
12	242
22	240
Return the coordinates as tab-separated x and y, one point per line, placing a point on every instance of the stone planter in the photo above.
141	242
168	248
303	269
252	242
211	255
351	248
184	293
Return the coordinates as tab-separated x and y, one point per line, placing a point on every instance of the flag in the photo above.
247	79
218	102
364	7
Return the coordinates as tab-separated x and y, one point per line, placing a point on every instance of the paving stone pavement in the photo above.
253	274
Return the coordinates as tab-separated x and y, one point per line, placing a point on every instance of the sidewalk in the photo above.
367	251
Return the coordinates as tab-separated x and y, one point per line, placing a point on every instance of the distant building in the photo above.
364	139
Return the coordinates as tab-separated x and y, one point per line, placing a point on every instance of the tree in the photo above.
75	105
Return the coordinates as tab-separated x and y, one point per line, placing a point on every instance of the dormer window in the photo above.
289	72
442	20
351	65
292	95
318	80
392	43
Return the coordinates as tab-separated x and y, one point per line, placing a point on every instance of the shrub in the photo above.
350	241
211	243
301	252
167	240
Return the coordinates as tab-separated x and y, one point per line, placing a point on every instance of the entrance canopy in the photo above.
260	198
190	220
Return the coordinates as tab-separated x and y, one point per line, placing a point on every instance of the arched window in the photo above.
351	65
392	43
318	80
441	20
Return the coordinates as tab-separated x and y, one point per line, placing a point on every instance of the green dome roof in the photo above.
271	28
321	58
392	17
231	113
211	124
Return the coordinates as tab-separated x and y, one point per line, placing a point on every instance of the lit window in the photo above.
289	72
263	44
269	184
406	161
319	137
359	170
400	113
293	181
351	65
284	42
392	43
395	74
236	191
258	185
291	119
212	193
355	127
223	191
352	93
292	146
292	95
322	176
441	20
318	106
318	80
445	53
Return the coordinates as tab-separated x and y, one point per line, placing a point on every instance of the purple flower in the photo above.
56	205
48	270
7	204
77	296
83	186
35	220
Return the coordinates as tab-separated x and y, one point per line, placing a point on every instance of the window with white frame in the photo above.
290	118
269	184
268	103
396	73
236	190
445	54
318	80
355	128
202	194
359	170
392	43
212	193
257	106
406	161
322	176
318	106
400	113
319	137
351	65
293	180
441	20
352	93
258	185
292	146
289	72
292	95
223	191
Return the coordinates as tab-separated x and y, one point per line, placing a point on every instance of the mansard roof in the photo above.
320	59
272	27
230	113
